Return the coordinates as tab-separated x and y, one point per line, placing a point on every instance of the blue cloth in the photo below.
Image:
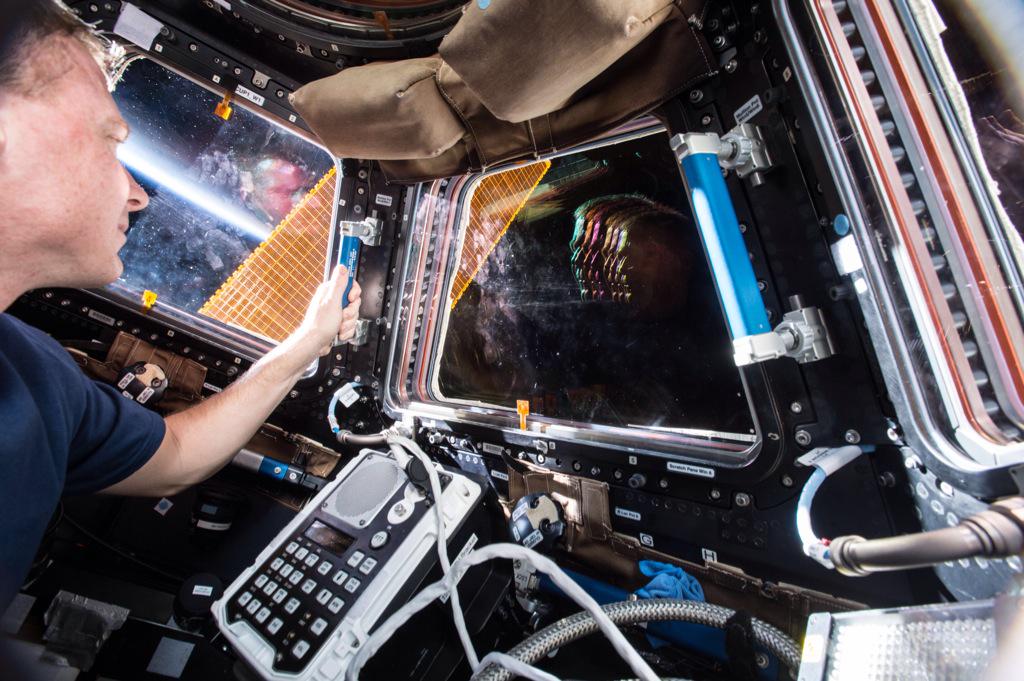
60	433
669	581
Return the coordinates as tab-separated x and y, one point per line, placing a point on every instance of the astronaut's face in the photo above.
629	250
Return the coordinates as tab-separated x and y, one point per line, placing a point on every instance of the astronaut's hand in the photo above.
325	318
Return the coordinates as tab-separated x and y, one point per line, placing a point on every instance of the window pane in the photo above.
218	189
596	303
988	109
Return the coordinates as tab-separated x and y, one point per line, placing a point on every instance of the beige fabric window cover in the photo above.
519	79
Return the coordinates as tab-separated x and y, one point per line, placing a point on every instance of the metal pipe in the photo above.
347	437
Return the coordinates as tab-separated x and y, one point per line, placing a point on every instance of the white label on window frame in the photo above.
627	514
751	108
243	91
384	200
689	469
499	475
102	318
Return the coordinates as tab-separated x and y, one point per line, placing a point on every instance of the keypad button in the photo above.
260	581
318	626
323	596
356	558
301	553
336	605
368	565
279	596
351	585
291	547
296	577
270	588
308	586
244	598
276	564
275	625
291	606
339	577
286	569
379	539
254	605
311	559
300	649
324	568
262	615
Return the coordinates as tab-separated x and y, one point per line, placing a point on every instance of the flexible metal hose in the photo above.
347	437
581	624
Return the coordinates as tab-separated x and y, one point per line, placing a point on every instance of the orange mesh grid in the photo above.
495	203
268	293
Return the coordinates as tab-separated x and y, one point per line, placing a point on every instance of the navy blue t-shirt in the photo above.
60	433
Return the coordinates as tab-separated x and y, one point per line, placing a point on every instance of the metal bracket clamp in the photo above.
801	335
743	150
361	334
367	230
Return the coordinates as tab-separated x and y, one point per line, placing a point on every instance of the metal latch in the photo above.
743	150
367	230
361	334
801	335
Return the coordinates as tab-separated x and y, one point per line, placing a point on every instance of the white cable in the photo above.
517	667
825	461
513	552
397	443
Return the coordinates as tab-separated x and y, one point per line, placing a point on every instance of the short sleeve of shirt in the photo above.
115	437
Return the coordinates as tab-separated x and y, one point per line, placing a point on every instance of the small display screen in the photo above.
328	537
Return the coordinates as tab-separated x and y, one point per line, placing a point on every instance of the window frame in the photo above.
240	341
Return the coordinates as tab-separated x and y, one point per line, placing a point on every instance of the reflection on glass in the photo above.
993	108
217	188
596	304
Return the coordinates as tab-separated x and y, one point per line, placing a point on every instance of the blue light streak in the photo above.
175	179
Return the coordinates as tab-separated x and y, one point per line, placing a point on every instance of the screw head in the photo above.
705	120
742	499
796	407
696	96
803	438
787	480
852	436
715	493
731	65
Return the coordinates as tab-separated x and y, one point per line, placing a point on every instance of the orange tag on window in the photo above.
223	108
523	409
148	299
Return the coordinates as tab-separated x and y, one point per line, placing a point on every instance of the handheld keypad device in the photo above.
304	607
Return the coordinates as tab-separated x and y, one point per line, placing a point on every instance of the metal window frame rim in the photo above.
909	401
